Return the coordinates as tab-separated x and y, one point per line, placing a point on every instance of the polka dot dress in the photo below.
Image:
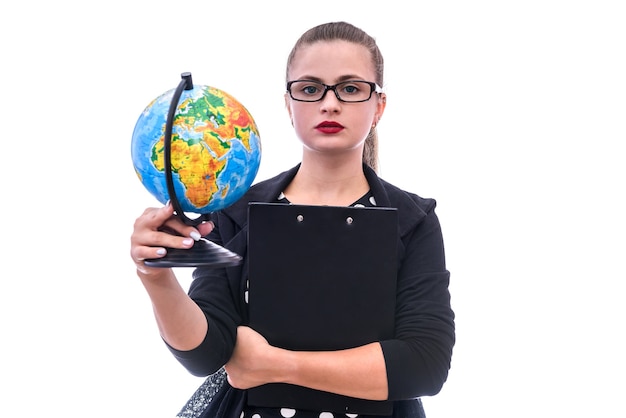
292	413
254	412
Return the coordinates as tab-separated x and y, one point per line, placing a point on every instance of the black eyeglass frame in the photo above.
374	88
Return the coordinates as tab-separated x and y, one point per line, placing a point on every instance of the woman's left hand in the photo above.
254	360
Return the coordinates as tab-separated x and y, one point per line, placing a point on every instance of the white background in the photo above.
510	113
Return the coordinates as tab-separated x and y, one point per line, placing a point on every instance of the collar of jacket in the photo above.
411	208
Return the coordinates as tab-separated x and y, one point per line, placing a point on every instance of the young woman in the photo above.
335	101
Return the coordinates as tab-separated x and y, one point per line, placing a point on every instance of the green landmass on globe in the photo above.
215	149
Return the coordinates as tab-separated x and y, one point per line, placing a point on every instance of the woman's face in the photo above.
332	126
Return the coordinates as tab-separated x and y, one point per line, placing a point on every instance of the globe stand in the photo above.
203	252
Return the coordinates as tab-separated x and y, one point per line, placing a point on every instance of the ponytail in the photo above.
370	150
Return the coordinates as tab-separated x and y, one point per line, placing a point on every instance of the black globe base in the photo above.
204	253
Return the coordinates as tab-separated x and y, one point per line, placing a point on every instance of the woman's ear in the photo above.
287	102
380	107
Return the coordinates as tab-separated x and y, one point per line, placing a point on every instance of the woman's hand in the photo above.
254	360
158	228
181	322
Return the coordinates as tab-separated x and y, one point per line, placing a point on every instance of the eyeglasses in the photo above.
353	91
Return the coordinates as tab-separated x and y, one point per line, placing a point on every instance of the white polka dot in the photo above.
256	416
359	205
372	200
352	415
287	412
327	415
245	295
242	414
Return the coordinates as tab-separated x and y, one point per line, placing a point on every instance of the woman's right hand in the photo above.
156	230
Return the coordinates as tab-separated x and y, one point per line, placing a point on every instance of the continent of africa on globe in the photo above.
215	149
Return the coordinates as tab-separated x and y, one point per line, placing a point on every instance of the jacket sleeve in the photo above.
418	358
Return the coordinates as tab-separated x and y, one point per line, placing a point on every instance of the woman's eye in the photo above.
310	89
351	89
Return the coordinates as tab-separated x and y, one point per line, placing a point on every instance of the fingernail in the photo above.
187	241
161	251
195	235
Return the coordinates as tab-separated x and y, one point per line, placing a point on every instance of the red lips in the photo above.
329	127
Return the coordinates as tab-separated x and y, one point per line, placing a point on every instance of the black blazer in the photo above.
417	358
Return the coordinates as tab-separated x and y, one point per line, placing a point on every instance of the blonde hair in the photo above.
346	32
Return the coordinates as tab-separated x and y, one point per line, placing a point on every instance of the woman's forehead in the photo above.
331	60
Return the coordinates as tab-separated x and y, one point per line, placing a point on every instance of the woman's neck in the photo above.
327	182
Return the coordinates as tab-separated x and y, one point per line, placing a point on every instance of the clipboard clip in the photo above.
349	219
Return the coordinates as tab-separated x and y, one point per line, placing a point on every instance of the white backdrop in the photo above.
510	114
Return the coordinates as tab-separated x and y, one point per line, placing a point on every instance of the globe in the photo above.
215	149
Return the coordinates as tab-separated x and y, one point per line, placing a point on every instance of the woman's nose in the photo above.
330	102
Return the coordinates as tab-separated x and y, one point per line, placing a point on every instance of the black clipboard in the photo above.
321	278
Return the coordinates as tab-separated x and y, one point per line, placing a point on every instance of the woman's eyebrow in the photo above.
338	80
